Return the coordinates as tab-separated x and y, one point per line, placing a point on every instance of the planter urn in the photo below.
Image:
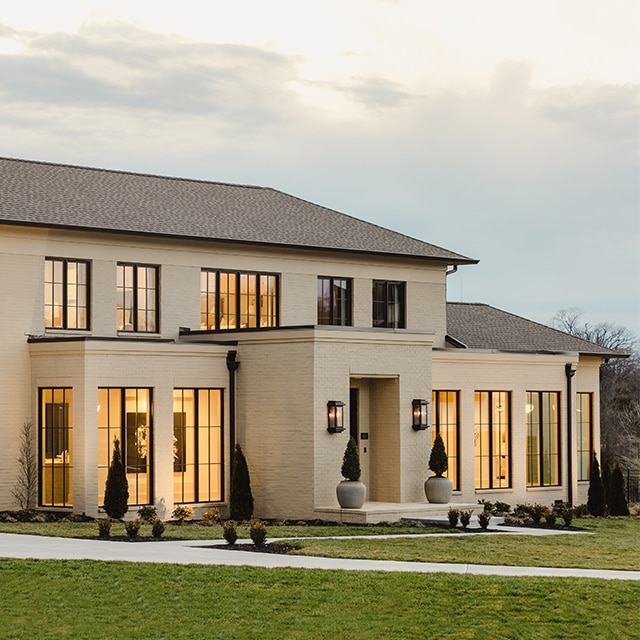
438	489
351	494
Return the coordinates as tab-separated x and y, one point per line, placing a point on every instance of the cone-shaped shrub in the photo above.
240	498
605	474
595	499
351	461
438	462
617	500
116	492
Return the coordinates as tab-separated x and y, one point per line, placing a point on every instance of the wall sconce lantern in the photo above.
335	416
420	419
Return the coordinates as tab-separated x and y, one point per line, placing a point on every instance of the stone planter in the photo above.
438	489
351	494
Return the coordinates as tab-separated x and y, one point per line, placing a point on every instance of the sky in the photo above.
505	131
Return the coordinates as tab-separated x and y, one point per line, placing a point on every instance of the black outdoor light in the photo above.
335	416
420	420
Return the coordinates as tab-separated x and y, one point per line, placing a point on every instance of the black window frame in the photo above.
125	426
238	297
491	455
334	316
66	308
55	446
383	298
182	458
453	458
135	307
540	458
584	427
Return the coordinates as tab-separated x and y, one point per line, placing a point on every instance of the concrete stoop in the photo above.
375	512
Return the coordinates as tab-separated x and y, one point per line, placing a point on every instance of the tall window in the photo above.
236	300
446	423
388	304
137	305
66	294
197	445
125	415
55	447
334	301
543	438
584	426
492	439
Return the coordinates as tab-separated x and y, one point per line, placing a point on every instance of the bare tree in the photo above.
25	490
619	385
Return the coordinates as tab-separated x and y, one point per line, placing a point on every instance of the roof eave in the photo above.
449	260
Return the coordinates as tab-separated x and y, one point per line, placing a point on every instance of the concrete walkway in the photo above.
208	552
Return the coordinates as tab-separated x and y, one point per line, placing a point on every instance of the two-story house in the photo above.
181	316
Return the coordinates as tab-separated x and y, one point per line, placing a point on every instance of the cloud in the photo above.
120	66
540	184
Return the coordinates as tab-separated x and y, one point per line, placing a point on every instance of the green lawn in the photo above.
612	544
86	599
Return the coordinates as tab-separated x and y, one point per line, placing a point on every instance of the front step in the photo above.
376	512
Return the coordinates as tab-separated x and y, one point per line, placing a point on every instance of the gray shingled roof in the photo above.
480	326
54	195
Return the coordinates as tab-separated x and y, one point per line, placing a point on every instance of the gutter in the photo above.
232	366
570	371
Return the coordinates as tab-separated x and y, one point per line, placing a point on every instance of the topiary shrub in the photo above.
595	497
157	528
132	528
465	518
484	518
351	461
257	532
618	501
181	513
550	518
229	531
147	514
104	528
438	461
212	516
537	512
240	498
565	511
453	515
116	492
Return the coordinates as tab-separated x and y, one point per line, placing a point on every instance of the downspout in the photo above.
570	371
451	271
232	366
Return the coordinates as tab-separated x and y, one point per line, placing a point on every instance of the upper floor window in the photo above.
66	294
137	305
492	439
446	423
334	301
584	423
543	438
388	304
237	300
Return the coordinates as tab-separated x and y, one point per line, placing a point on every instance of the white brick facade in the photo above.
285	377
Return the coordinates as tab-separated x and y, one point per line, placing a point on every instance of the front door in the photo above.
358	430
